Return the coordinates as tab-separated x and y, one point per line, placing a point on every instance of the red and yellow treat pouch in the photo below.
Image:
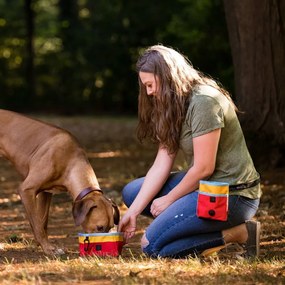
213	199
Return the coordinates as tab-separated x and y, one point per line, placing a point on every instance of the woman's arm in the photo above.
154	180
205	149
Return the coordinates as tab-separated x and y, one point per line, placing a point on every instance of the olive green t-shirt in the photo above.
208	110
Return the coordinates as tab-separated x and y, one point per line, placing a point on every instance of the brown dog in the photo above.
50	159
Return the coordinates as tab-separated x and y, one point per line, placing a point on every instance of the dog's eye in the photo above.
93	207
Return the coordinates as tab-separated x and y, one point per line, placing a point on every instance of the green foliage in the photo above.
199	31
12	40
85	51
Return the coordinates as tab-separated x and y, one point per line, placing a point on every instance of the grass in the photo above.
143	270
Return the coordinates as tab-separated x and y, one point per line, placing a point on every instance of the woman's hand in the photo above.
159	205
128	225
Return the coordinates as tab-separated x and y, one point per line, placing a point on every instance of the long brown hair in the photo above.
161	116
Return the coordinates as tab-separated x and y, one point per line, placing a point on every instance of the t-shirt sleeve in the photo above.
204	115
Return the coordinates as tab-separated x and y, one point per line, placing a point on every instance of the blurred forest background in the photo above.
73	57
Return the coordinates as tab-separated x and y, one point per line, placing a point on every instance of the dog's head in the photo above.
95	213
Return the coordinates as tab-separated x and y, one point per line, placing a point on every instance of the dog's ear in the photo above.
80	209
116	213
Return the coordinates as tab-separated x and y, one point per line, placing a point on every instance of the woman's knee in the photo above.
130	191
127	196
146	249
144	242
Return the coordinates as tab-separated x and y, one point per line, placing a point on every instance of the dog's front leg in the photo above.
37	208
43	201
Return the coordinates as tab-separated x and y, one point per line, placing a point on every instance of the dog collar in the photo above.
86	191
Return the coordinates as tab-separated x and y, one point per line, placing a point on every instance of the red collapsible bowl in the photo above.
100	244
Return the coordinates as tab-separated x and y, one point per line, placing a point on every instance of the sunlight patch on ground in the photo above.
13	198
108	154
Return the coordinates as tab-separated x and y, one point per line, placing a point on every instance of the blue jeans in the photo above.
177	231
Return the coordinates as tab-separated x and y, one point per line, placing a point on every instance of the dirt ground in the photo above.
116	157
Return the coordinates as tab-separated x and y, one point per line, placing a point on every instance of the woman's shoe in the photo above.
252	245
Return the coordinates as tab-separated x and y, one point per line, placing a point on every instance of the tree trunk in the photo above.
70	63
30	74
257	37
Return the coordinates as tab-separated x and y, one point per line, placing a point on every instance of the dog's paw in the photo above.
53	251
59	252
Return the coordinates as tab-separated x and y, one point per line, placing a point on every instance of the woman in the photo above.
180	108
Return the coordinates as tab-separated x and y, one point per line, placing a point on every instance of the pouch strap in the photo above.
86	244
244	185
